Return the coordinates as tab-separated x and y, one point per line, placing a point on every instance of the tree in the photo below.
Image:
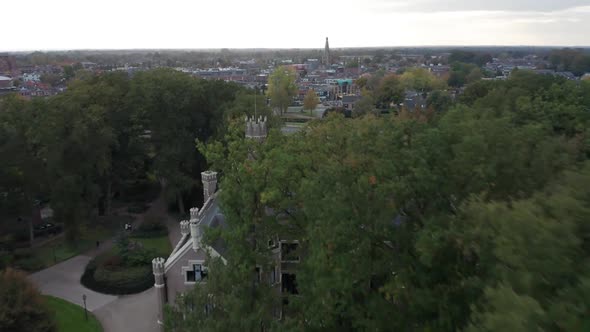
474	75
427	223
311	101
439	100
23	173
177	109
421	80
21	306
51	79
390	90
365	105
77	141
282	87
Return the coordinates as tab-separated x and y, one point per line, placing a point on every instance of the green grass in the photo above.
70	317
161	244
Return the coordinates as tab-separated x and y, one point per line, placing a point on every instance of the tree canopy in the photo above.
282	87
474	219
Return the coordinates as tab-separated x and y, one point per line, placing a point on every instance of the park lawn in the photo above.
160	244
70	317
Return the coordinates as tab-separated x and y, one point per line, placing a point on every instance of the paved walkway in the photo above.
63	280
133	313
128	313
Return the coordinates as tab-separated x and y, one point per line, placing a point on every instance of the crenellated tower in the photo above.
209	179
256	128
158	268
185	227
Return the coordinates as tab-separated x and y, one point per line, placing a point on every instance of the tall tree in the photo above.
311	101
282	87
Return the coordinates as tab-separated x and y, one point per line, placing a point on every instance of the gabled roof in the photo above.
210	216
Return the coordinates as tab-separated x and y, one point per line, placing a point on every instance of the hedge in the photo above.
128	280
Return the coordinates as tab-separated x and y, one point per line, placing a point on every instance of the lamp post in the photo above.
85	311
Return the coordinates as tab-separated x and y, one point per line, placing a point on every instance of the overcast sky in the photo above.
125	24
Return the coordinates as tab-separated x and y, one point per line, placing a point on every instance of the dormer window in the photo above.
195	272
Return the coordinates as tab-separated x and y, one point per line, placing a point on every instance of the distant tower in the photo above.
327	54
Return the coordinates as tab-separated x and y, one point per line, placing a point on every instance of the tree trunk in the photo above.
180	202
109	198
32	210
31	232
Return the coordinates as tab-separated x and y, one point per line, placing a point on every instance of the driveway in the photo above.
63	280
127	313
133	313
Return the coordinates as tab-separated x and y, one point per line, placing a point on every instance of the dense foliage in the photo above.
22	308
471	219
82	148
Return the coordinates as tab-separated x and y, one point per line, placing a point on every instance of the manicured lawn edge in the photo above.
70	317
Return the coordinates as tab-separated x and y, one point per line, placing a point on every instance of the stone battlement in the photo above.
184	227
158	265
256	128
194	213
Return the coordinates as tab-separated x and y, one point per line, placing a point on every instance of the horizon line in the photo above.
32	50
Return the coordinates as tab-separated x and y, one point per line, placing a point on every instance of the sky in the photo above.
131	24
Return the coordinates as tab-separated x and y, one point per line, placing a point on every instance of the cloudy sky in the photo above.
124	24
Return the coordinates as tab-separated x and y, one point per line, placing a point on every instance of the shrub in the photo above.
6	259
113	262
120	280
140	257
21	306
24	259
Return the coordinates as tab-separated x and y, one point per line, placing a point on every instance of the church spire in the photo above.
327	53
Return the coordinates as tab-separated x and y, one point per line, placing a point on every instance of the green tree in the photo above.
365	105
390	90
21	306
23	173
282	87
176	108
311	101
421	80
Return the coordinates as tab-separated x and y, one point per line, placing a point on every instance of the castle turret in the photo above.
195	234
209	179
194	213
256	128
185	227
158	268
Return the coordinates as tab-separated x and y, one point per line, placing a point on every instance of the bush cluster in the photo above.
110	275
27	261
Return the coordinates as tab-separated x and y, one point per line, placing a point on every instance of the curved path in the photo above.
126	313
